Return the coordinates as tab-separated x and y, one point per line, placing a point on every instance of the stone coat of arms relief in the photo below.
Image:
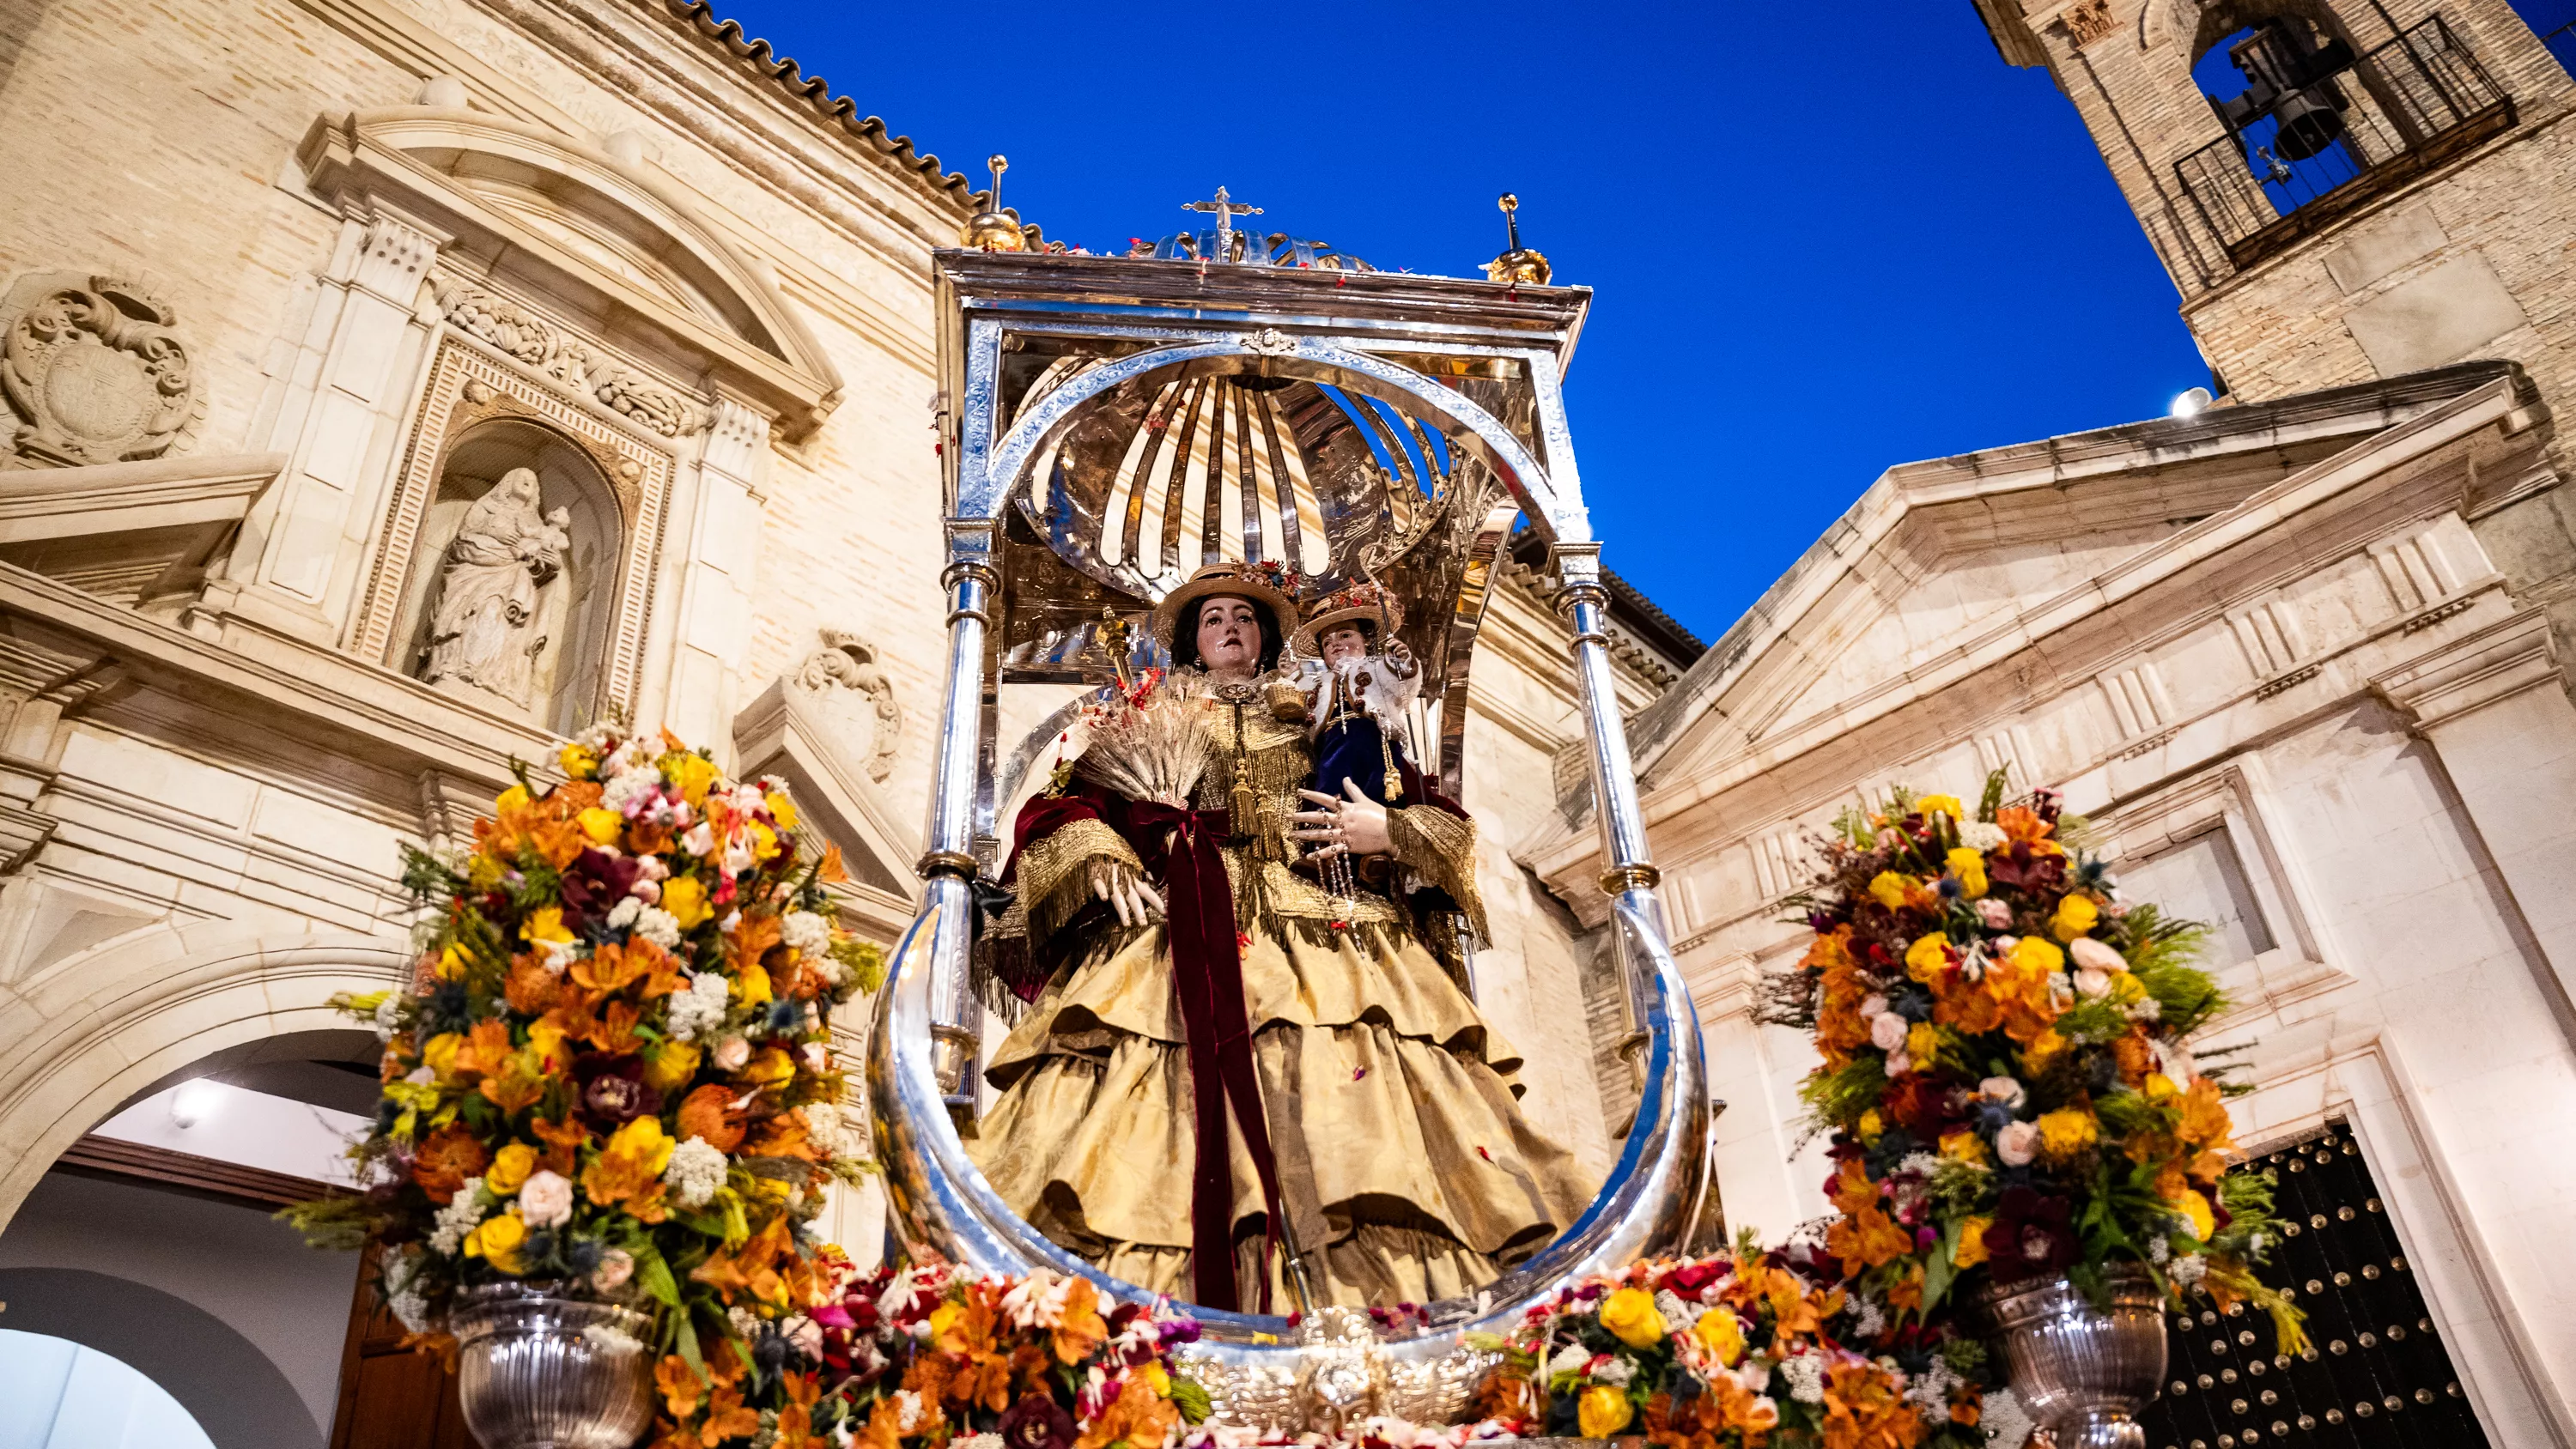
93	370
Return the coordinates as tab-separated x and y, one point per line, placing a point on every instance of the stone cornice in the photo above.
2469	673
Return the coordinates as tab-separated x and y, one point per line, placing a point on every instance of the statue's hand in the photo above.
1136	902
1401	660
1352	824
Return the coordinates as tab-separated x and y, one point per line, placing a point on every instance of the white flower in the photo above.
745	1323
454	1221
1930	1391
700	840
405	1298
738	856
2094	955
2158	1251
807	931
2187	1271
907	1410
1887	1031
1806	1375
387	1012
1617	1373
611	1339
545	1199
2006	1422
2018	1143
822	1121
1677	1314
1898	1064
1993	913
803	1335
1867	1319
2007	1090
971	1441
698	1008
2061	992
1980	834
658	926
623	914
629	792
1569	1359
1871	1005
2092	983
696	1170
1755	1374
816	1058
2145	1008
732	1052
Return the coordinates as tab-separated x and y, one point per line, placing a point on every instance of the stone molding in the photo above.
2495	663
787	732
735	330
393	257
94	369
848	662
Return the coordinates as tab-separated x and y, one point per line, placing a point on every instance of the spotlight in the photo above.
2193	403
194	1102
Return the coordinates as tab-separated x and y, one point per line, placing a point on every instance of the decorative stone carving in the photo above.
543	347
2088	21
484	632
847	664
93	370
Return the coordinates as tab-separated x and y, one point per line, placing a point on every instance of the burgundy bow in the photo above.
1207	972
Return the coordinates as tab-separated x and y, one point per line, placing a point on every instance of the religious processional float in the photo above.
612	1105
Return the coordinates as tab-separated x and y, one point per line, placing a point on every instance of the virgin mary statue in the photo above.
1234	1085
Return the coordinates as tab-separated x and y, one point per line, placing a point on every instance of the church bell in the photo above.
2287	78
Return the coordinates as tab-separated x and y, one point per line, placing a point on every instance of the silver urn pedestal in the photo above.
533	1374
2082	1373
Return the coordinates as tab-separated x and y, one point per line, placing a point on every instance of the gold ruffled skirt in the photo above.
1408	1171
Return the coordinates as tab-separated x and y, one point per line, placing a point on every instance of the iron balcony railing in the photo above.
2406	106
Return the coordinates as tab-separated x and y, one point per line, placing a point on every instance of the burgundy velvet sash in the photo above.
1207	972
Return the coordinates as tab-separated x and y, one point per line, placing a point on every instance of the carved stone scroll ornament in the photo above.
543	348
93	370
848	663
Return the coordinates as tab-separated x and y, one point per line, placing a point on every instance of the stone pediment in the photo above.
130	533
1938	560
616	252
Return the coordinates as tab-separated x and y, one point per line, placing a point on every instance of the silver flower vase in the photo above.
2082	1373
542	1367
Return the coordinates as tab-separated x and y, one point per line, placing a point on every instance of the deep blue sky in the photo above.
1822	240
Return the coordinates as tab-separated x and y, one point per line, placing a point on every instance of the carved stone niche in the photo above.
92	371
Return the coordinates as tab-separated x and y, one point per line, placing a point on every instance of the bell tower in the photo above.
2340	189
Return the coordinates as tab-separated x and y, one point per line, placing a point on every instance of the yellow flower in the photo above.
670	1066
2035	957
601	825
546	1039
514	798
641	1143
1930	805
764	841
1153	1374
2044	1049
781	809
1723	1335
1870	1126
439	1054
451	963
1603	1411
752	986
497	1240
1963	1146
1972	1242
945	1318
1891	889
692	773
685	899
1923	1043
545	923
1928	957
1631	1317
2067	1131
578	763
2196	1208
510	1168
1970	867
2161	1088
771	1067
2075	916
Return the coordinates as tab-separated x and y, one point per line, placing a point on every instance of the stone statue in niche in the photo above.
484	630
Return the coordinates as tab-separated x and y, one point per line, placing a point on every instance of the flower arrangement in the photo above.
1742	1349
2005	1073
612	1067
931	1356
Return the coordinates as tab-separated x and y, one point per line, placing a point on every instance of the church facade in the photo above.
393	388
2300	659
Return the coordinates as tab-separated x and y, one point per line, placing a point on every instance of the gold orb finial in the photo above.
1519	265
992	229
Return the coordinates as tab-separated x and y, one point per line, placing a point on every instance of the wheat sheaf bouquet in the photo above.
2006	1076
612	1068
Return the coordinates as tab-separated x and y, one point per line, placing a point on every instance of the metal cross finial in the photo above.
1511	206
999	164
1226	211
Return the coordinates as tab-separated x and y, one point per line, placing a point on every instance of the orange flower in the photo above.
1862	1411
1079	1331
678	1384
531	989
750	1271
709	1113
487	1047
1869	1237
1906	1294
2022	824
629	1167
517	1083
544	827
796	1419
1144	1420
448	1157
749	943
564	1141
610	967
784	1136
613	1030
728	1418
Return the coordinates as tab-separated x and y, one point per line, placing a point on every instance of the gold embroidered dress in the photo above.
1407	1170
